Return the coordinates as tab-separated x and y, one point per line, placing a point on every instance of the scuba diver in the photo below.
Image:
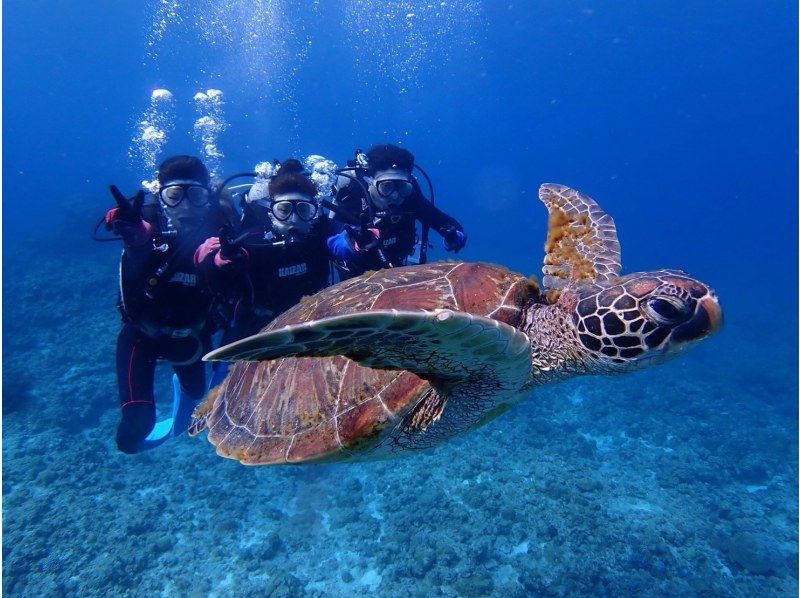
166	314
282	252
383	189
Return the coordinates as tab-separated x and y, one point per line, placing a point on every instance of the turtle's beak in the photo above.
713	313
707	320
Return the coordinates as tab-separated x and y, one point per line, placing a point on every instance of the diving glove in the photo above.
453	239
365	239
229	250
126	219
127	210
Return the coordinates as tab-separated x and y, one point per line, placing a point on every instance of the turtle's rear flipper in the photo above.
199	418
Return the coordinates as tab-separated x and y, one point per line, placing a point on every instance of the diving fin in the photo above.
182	406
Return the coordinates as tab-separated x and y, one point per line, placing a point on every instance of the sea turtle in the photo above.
406	358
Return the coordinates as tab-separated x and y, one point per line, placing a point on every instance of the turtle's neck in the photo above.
556	352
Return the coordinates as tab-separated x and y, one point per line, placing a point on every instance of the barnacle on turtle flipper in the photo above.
426	413
565	236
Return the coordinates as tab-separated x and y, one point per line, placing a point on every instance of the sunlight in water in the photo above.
250	41
415	38
258	50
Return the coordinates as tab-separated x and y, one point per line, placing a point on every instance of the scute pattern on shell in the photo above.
301	409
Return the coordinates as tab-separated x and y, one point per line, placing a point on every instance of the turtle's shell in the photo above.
315	408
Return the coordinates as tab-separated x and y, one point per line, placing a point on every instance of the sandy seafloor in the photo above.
681	480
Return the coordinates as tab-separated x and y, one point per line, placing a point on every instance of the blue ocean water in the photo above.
679	119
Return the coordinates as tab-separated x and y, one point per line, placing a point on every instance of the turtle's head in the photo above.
644	318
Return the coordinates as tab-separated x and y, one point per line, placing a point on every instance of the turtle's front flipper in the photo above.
440	345
581	241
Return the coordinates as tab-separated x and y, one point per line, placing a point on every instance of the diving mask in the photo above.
185	214
292	215
284	206
173	194
390	187
283	209
387	187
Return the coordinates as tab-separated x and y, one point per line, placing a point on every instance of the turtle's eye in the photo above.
666	310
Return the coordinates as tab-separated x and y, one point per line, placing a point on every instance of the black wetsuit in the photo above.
274	276
397	226
166	314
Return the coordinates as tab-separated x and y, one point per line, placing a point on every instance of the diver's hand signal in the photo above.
229	249
126	219
365	239
127	210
